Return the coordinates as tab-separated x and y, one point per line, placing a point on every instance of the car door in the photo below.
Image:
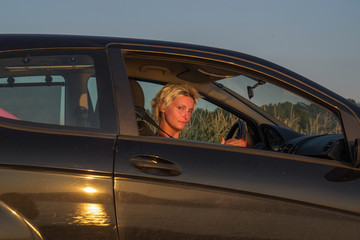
57	134
184	189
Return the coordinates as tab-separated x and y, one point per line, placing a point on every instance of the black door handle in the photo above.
155	165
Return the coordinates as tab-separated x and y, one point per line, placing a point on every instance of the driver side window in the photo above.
208	122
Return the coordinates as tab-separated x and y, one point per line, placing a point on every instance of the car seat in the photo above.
139	102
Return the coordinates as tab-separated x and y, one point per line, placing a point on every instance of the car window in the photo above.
295	112
208	122
274	117
26	102
60	90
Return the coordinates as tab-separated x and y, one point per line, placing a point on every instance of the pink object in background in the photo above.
6	114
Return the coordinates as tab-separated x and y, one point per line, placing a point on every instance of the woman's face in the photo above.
178	113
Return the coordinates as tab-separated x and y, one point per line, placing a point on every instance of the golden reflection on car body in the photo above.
90	190
91	214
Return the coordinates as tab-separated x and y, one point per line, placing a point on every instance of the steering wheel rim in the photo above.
239	128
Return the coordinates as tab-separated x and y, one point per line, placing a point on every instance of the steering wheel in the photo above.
238	129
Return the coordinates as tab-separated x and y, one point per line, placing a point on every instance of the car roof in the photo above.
10	42
26	41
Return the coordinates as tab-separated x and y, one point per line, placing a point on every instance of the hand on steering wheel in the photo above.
240	129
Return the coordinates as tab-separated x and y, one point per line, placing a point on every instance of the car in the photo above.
80	158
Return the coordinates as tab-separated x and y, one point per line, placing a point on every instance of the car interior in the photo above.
264	128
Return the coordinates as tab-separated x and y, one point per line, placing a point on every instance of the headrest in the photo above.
138	94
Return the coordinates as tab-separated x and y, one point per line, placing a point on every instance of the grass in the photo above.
318	122
208	126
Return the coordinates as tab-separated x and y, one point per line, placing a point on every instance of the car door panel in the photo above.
64	188
213	191
229	193
69	151
56	166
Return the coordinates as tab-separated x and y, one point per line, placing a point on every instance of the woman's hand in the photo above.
234	142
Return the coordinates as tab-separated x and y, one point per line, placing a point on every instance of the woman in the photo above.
173	106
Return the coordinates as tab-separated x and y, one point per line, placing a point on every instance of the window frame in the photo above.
105	93
250	123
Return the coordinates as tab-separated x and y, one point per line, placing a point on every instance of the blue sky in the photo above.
318	39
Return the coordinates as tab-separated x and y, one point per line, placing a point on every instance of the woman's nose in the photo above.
187	115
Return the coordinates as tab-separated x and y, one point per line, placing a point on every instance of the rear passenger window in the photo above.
28	98
60	90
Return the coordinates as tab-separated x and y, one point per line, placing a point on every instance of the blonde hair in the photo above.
168	93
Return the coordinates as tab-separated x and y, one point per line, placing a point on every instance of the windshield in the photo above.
295	112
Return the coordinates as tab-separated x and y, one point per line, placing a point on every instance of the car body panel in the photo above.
238	195
66	191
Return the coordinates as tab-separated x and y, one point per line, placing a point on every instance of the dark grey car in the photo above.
80	161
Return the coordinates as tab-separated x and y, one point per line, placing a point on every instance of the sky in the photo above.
318	39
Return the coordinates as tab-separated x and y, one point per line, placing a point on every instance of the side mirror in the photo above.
250	92
250	89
